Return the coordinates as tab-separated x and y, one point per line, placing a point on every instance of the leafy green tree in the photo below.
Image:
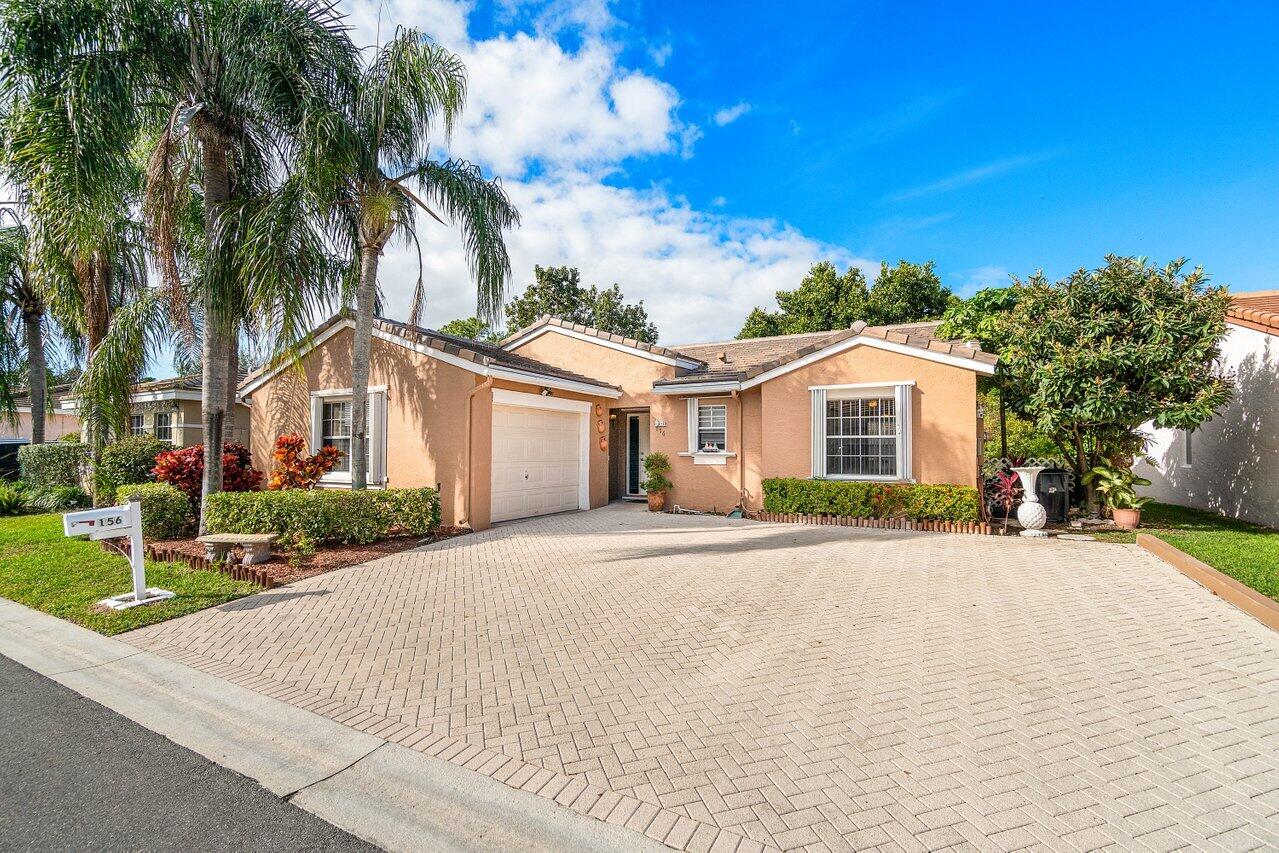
471	328
1095	356
983	317
385	175
558	291
826	300
22	344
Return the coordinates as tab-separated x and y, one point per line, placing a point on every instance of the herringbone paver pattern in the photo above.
738	685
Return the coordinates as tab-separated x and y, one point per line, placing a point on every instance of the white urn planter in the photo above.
1031	513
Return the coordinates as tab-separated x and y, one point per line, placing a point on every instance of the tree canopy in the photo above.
471	328
826	300
558	291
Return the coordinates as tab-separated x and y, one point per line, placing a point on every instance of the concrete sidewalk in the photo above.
384	793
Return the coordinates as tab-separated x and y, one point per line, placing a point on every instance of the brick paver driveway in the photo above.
737	684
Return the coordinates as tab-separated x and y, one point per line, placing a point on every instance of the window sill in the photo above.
343	481
706	458
850	478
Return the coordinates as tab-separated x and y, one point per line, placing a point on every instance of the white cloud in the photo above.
719	201
661	53
968	177
728	115
552	120
968	282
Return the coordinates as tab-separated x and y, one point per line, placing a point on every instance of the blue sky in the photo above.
703	155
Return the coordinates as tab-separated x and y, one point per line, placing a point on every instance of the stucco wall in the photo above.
1235	468
55	426
944	413
426	424
633	374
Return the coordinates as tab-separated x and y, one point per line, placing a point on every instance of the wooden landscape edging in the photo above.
976	528
1262	608
234	570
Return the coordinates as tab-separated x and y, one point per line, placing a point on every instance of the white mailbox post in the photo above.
114	522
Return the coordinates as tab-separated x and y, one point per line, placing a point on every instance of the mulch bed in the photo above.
326	558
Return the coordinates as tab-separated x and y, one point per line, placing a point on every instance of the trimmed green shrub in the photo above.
166	512
61	463
326	515
56	498
872	500
129	460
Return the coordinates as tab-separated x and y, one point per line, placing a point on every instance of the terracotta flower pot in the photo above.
656	501
1127	519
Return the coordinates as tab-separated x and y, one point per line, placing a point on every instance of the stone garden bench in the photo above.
257	546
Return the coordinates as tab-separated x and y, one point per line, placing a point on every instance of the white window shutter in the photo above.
905	421
692	425
819	433
377	437
317	413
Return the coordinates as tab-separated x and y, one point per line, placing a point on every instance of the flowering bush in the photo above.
294	469
184	469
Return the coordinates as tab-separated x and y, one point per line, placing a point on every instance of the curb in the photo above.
388	794
1262	608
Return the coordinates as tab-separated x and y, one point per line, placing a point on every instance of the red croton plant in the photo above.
294	469
184	470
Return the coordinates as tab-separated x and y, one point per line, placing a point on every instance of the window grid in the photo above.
136	425
712	427
164	426
861	437
335	431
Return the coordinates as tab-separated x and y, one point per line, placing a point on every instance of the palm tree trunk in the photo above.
361	355
37	376
232	385
217	325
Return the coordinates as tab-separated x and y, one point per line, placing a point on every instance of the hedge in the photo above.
326	515
166	512
129	460
61	463
872	500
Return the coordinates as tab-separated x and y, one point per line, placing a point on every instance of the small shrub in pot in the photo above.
656	484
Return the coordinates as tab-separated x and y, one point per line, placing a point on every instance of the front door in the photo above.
636	450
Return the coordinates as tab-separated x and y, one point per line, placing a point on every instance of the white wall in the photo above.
1235	456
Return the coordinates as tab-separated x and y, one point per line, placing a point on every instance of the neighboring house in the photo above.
56	423
502	436
1231	463
169	409
883	404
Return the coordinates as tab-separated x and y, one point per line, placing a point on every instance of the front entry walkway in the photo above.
740	685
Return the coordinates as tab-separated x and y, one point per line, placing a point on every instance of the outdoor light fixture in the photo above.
546	392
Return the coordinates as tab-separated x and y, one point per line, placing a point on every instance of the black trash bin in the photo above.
1053	491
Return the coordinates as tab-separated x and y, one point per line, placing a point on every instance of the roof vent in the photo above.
722	357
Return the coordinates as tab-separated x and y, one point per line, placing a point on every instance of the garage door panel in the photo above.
536	462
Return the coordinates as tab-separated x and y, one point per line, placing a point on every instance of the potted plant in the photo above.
656	483
1117	487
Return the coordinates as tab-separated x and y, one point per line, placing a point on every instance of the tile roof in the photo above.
556	322
481	354
729	361
1258	310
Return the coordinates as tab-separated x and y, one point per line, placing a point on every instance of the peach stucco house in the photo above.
559	416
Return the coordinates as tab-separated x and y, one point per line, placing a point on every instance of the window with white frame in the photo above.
137	426
862	432
331	426
712	427
164	426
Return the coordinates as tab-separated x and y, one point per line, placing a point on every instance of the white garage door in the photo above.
537	466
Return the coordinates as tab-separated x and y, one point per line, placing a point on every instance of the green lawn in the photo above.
1247	552
41	568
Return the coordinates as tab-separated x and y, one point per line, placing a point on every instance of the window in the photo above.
861	437
336	431
1187	448
164	426
862	432
136	425
331	426
712	428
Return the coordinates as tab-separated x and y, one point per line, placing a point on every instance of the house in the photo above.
1230	464
885	404
56	423
169	409
559	416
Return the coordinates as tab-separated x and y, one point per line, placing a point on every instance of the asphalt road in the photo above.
77	776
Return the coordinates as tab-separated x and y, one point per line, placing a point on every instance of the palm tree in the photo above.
410	88
236	86
21	329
